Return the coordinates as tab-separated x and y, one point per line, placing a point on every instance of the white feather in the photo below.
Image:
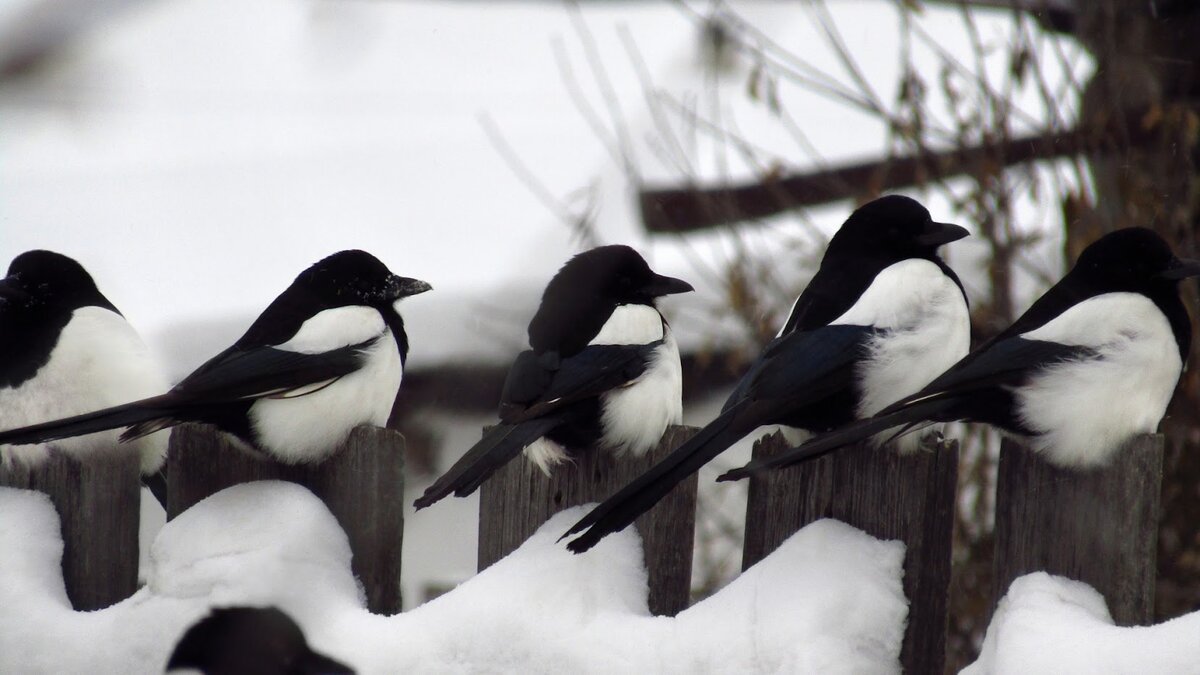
928	329
631	325
545	454
635	416
99	361
1085	410
308	428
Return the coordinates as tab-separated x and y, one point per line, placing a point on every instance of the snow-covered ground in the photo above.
828	601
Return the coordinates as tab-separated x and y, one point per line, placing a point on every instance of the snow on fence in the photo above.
99	503
909	498
520	498
1099	527
362	484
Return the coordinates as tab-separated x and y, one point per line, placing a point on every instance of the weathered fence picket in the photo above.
885	494
362	483
519	498
1098	526
98	504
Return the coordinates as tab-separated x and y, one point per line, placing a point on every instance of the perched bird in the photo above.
65	350
249	641
1093	362
324	357
882	317
603	370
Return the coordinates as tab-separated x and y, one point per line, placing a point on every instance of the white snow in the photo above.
828	601
1050	624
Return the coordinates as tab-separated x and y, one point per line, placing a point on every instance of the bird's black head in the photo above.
50	282
1134	259
584	293
356	278
892	228
244	640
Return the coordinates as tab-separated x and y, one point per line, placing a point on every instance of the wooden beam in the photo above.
1097	526
888	496
692	207
98	500
362	484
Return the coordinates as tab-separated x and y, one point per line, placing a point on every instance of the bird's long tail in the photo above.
155	409
908	416
497	447
620	510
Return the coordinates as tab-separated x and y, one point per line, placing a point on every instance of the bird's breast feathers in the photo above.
634	417
1085	409
631	325
98	361
925	328
309	427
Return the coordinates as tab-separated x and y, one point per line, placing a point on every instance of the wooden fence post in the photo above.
1097	526
362	484
519	498
98	500
885	494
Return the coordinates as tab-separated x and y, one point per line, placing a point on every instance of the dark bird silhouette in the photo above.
603	370
881	318
1094	361
327	355
249	641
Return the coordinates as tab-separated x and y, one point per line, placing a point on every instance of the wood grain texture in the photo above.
98	501
889	496
362	484
519	498
1097	526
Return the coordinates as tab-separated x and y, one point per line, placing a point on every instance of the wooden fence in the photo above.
1098	526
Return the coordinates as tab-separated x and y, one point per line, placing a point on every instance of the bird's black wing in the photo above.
796	370
261	372
977	388
233	375
540	384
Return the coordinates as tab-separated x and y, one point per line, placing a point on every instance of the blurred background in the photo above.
195	155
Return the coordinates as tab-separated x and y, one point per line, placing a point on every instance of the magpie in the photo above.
66	349
1093	362
249	641
882	317
603	370
325	356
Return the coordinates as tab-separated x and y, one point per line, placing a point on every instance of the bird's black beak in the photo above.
1180	268
402	287
660	285
936	234
10	290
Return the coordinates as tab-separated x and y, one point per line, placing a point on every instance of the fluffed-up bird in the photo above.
603	370
1093	362
882	317
324	357
65	349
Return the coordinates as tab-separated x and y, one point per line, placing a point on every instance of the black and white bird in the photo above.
249	641
1092	363
603	370
882	317
324	357
65	350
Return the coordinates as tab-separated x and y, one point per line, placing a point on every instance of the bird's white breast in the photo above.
635	416
1085	409
631	325
926	329
308	428
99	361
